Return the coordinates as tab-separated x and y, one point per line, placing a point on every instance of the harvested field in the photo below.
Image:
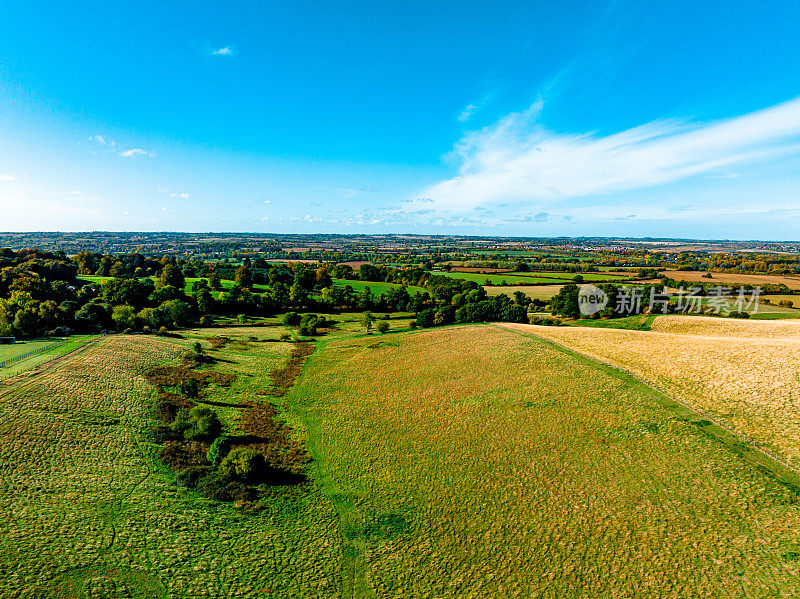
544	292
727	327
725	278
747	383
476	462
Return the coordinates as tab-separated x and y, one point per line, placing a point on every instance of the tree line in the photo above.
42	293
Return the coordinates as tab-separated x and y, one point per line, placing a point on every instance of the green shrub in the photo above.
243	463
219	449
189	388
189	477
291	319
382	326
309	324
198	424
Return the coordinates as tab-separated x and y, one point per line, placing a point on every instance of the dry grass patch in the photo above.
284	377
544	292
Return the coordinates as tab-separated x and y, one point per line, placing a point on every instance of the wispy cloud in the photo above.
102	140
468	111
517	159
224	51
349	192
7	178
179	196
134	152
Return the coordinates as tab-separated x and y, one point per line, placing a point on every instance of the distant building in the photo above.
7	340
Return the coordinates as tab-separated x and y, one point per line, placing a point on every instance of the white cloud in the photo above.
103	140
349	192
224	51
306	219
517	159
7	178
180	196
134	152
472	108
468	111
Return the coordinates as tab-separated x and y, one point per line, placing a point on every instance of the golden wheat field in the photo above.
747	383
727	278
473	461
707	326
88	510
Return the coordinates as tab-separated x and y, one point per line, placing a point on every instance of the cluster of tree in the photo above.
42	293
736	262
474	306
307	324
652	299
620	301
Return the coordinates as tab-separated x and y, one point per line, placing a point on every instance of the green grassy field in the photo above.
639	322
375	287
225	283
90	512
527	278
508	278
358	286
475	462
464	461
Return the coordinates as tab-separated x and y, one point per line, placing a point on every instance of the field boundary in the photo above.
39	369
749	450
33	352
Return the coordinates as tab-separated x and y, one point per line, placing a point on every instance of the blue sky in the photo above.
676	119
